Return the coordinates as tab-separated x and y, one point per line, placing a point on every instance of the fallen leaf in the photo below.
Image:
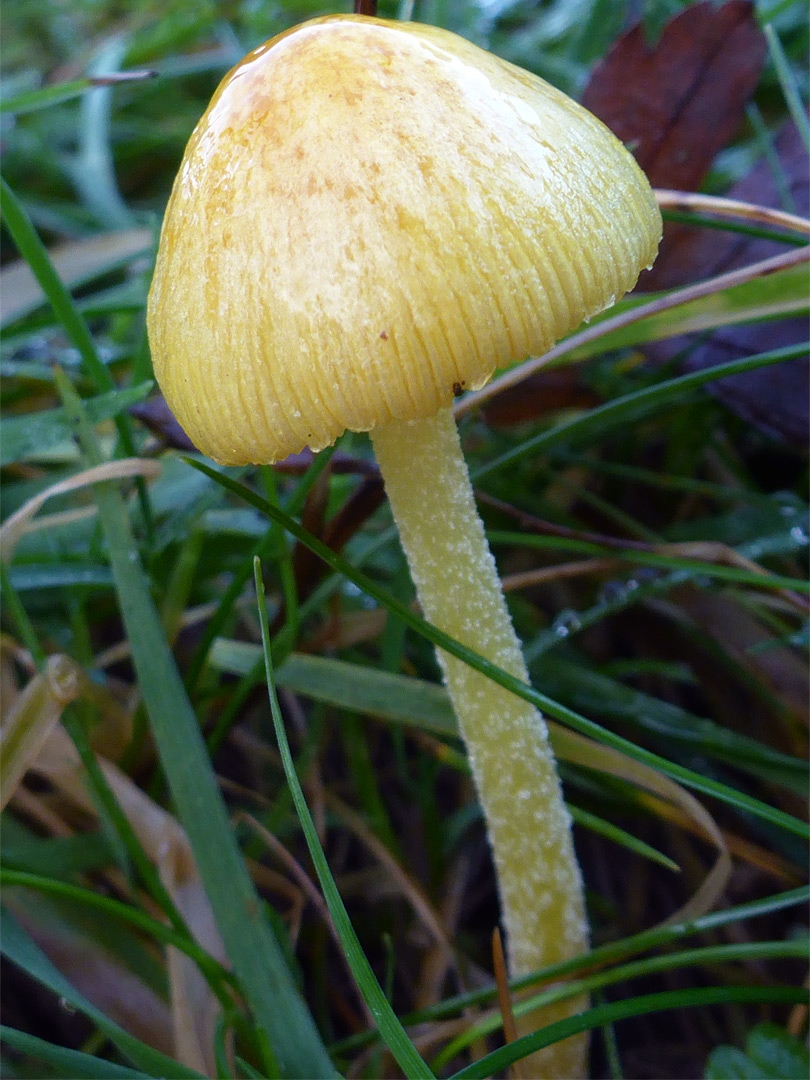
354	512
157	417
542	394
195	1009
677	104
335	533
694	252
739	631
775	399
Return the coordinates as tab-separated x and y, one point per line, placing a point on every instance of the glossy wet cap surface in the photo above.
370	215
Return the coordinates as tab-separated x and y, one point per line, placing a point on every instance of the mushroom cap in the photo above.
370	216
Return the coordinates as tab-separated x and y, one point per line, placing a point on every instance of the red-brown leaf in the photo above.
680	102
775	399
542	394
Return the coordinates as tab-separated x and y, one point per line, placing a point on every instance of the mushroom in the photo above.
370	217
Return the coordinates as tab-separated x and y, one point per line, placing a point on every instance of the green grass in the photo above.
669	626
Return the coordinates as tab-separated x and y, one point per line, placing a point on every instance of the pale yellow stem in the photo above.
431	497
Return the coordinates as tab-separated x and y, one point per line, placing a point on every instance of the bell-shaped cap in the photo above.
370	216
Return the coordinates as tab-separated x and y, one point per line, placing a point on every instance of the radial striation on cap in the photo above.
370	215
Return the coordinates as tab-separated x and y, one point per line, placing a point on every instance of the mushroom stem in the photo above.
428	487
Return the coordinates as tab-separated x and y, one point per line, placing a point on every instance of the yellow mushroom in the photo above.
369	217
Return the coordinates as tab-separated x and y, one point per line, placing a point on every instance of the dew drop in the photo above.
612	592
65	1006
798	534
787	503
69	357
567	622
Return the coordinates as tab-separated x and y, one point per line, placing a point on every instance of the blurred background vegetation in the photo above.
655	557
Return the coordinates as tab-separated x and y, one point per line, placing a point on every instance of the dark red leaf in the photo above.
701	253
354	513
156	415
678	103
775	399
540	395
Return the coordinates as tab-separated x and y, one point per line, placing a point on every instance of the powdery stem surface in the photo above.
428	487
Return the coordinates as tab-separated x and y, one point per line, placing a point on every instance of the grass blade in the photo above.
67	1062
657	938
399	698
252	949
787	80
389	1025
32	433
22	951
591	984
116	908
402	699
686	217
44	97
622	1010
687	777
35	254
595	421
619	836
